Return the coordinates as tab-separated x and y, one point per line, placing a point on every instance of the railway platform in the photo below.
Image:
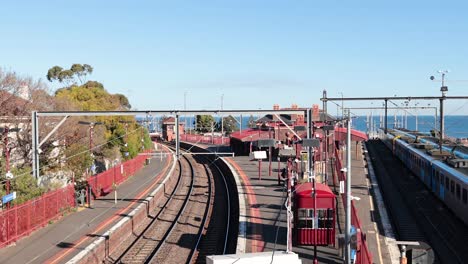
59	242
264	216
371	208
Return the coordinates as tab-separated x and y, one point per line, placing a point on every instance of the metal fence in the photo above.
363	255
103	182
23	219
205	139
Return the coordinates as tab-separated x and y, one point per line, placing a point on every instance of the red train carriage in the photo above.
310	230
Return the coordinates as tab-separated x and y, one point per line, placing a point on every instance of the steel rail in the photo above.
204	225
163	209
154	253
228	222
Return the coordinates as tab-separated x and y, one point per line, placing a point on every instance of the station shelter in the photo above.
310	228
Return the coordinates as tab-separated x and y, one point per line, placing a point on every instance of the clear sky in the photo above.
256	53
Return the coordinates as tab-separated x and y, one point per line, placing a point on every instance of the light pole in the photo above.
185	109
342	105
443	90
91	129
406	114
222	120
416	119
348	191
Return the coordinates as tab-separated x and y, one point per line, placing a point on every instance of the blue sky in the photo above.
256	53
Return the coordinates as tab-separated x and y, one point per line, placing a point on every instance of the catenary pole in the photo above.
348	191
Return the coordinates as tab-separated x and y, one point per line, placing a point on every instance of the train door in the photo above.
435	180
432	183
428	174
441	187
421	168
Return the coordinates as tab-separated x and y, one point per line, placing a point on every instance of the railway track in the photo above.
213	240
416	213
191	222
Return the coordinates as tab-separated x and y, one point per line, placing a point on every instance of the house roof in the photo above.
271	118
289	119
171	121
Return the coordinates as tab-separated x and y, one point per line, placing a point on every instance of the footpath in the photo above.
369	204
61	241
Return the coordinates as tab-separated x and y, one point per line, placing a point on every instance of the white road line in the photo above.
378	243
371	203
242	237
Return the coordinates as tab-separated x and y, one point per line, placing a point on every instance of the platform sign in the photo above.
311	142
9	197
265	143
287	153
258	155
300	128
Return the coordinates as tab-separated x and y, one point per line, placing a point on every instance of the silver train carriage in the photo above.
448	183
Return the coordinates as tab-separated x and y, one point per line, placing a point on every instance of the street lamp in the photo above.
406	114
222	120
91	129
443	90
416	119
342	105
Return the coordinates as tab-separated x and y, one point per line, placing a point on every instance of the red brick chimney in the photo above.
276	107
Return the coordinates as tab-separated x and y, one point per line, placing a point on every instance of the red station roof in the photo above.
248	135
305	190
356	135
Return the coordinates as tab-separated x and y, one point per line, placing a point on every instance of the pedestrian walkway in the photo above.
369	216
60	241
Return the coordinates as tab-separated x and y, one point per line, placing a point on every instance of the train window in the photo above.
325	218
306	218
441	179
464	196
458	191
446	183
452	186
437	176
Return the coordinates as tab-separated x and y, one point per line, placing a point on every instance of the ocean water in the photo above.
154	124
455	126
